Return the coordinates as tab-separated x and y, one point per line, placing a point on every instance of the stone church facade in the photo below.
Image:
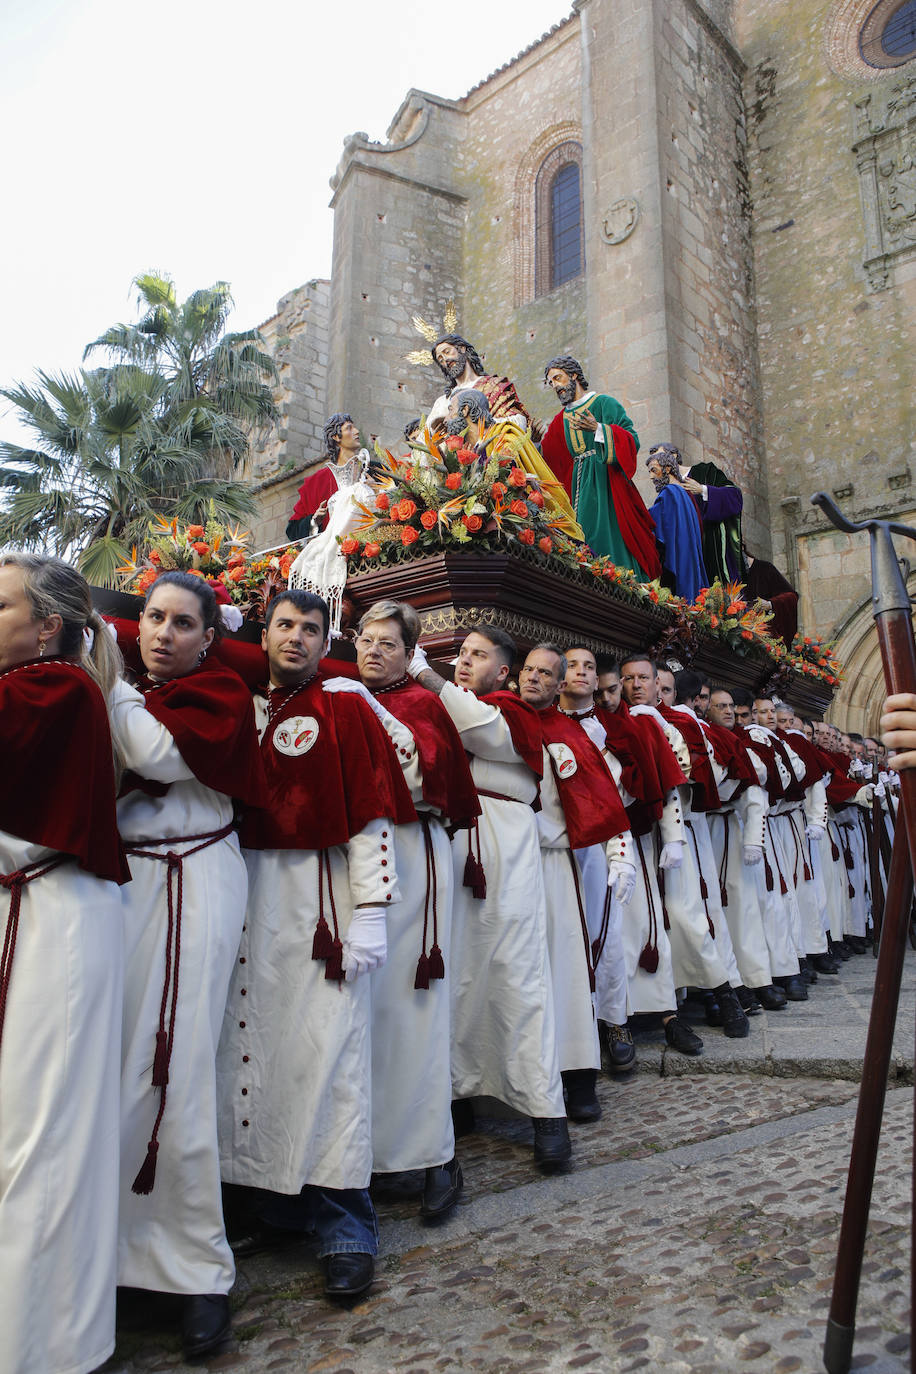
711	203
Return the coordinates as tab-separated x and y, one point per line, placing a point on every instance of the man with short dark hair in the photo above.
504	1037
295	1117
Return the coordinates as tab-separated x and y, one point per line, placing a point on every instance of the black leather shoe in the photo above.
749	1004
618	1041
734	1022
840	949
857	943
771	998
348	1275
822	963
794	987
462	1117
581	1101
262	1237
807	974
681	1038
441	1189
711	1009
552	1146
205	1323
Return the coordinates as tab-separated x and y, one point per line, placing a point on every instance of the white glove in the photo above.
880	789
418	662
231	616
865	794
621	879
349	684
813	831
366	943
672	854
753	853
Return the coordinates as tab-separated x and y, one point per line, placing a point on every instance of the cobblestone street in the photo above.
696	1232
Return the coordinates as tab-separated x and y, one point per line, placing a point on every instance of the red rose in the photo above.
713	621
155	556
348	546
517	477
236	574
404	509
526	536
545	545
454	442
409	536
428	519
472	523
236	560
285	564
518	508
381	501
465	456
201	549
194	531
372	550
453	481
537	499
497	490
746	634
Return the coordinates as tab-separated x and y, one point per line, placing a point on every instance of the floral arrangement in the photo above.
215	553
722	611
449	496
815	658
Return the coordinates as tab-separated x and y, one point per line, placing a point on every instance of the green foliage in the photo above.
162	431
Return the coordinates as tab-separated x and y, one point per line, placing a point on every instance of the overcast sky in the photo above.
196	137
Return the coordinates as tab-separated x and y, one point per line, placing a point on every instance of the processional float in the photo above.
893	618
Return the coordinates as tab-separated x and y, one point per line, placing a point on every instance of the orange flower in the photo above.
236	560
454	442
285	564
518	508
714	621
372	550
409	536
472	523
746	634
196	572
381	501
497	490
155	556
236	574
453	481
404	509
735	608
349	546
465	456
537	499
428	519
517	477
545	545
653	596
194	531
526	536
201	549
146	579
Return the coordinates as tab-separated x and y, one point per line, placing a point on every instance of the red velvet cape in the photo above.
522	721
731	753
447	782
815	769
704	794
590	800
58	775
659	771
209	715
767	754
348	777
841	788
634	521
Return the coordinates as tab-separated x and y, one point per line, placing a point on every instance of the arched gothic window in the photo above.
560	254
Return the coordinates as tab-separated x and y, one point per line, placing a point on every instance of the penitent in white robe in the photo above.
173	1239
59	1072
504	1040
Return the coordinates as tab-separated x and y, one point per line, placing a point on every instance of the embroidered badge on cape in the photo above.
296	735
564	759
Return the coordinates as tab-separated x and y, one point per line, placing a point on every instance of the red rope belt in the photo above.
583	923
14	883
430	966
168	1006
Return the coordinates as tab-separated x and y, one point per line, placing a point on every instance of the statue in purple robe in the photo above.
721	503
678	528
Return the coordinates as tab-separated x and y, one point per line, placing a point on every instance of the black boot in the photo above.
441	1189
205	1323
734	1022
581	1100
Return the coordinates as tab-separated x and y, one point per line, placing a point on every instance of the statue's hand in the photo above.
583	419
693	486
538	430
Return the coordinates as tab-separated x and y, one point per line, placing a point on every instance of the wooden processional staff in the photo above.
893	618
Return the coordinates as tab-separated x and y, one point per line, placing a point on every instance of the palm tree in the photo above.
102	466
218	390
160	432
